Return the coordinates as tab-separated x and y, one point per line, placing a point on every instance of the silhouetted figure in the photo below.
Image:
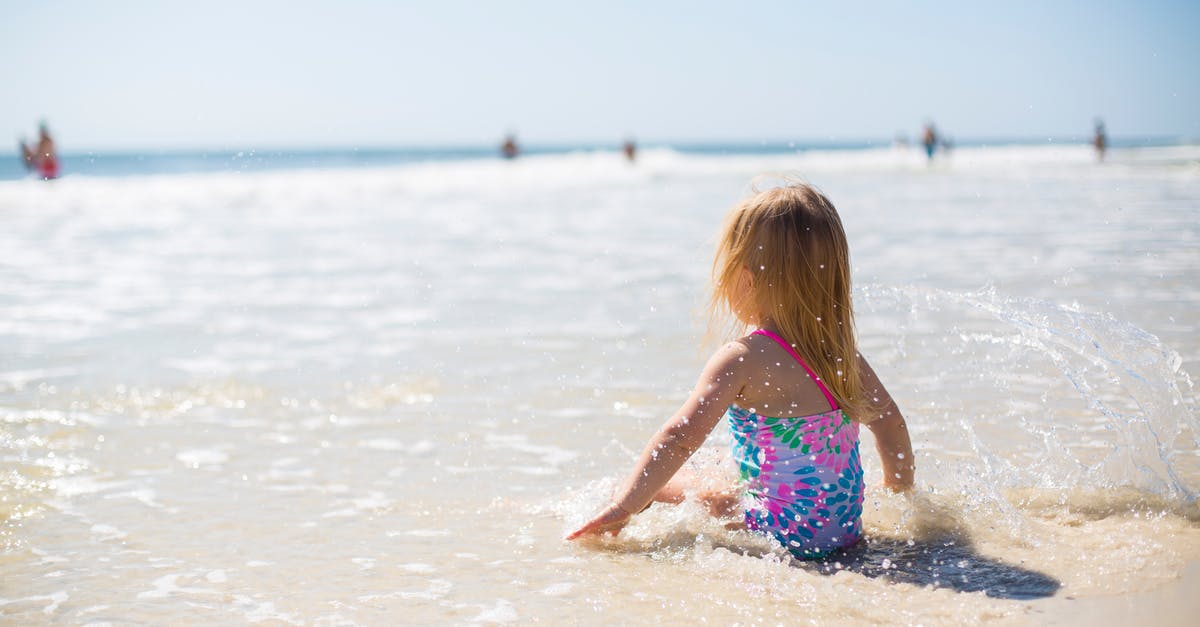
630	149
42	158
1100	140
929	139
509	148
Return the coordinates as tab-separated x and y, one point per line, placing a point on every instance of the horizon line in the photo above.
1128	140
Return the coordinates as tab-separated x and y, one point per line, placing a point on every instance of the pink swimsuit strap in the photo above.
791	351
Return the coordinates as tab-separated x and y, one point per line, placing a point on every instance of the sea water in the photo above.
381	394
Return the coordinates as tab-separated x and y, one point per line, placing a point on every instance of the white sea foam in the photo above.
502	612
202	458
166	586
551	456
55	600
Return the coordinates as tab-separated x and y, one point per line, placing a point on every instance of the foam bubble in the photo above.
211	458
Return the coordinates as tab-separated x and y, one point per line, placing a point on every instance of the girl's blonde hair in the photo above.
791	240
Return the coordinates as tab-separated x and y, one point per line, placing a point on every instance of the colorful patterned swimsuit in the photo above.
802	475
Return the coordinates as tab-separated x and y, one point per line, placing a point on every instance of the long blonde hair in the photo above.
791	240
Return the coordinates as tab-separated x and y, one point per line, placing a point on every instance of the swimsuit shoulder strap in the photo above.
791	351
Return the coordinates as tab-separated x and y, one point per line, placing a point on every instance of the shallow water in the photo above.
351	396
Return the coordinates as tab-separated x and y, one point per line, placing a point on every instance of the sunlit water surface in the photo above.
382	395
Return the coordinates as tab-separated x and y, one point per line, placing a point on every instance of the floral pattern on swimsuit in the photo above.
802	477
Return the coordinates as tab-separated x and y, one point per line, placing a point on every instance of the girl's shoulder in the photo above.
744	357
735	351
761	352
756	343
750	350
730	357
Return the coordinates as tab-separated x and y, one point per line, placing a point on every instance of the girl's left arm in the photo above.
718	387
891	433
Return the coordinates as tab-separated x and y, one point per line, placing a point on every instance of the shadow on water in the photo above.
946	562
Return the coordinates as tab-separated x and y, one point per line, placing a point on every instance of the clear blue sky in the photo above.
217	73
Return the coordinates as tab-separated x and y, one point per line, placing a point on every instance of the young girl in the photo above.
794	391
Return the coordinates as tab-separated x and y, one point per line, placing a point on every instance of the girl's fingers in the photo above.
580	531
606	521
591	526
594	526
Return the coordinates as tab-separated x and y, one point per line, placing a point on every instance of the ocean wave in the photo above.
580	169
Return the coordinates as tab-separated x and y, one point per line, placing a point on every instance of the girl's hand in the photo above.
610	520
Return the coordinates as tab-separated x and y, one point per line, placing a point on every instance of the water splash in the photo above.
1046	395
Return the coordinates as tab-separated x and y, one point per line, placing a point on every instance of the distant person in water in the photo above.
929	139
42	158
1100	140
509	148
630	149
